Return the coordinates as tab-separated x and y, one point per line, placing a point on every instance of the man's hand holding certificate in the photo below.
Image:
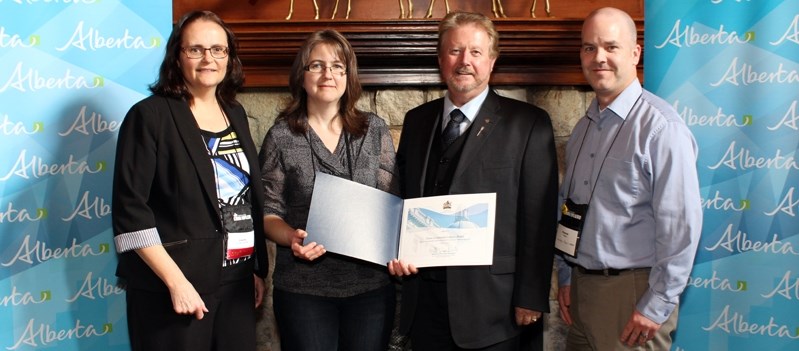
365	223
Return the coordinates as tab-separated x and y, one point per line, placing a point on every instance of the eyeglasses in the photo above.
318	67
195	52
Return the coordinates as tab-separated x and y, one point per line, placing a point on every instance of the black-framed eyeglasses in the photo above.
318	67
195	52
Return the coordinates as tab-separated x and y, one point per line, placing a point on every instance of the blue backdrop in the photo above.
730	67
70	71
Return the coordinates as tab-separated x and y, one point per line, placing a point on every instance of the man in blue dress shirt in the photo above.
630	199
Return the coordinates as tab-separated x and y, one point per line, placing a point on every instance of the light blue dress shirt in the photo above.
469	109
636	163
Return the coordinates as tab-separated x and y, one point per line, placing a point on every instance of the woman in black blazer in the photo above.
187	187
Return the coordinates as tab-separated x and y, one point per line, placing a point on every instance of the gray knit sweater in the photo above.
289	162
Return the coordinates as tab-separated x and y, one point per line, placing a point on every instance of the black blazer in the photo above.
510	150
164	179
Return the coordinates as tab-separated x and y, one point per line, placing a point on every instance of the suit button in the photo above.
444	161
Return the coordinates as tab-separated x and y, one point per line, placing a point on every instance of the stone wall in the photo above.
564	104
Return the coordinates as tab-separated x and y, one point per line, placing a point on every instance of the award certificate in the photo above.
359	221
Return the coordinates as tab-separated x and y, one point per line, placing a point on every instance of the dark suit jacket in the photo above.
164	179
513	156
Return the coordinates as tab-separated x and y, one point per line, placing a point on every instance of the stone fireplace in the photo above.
565	104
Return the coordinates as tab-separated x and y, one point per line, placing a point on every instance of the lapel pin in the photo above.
487	121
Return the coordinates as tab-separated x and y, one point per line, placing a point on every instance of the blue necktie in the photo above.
453	130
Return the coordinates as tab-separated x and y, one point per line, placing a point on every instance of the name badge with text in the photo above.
240	245
240	238
570	227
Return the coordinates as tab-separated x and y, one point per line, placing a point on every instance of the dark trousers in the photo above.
316	323
229	324
431	329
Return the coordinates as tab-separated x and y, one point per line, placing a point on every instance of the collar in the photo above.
469	109
621	106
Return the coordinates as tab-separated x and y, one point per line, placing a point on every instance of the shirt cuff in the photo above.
564	271
136	240
655	308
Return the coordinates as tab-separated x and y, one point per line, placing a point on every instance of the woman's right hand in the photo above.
399	268
308	252
186	300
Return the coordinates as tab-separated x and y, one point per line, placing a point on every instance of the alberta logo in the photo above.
92	39
95	288
23	298
10	127
35	251
13	41
31	80
716	283
13	214
40	334
36	167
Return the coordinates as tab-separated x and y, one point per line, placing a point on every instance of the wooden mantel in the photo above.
402	52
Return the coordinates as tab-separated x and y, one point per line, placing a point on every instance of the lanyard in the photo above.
601	165
347	149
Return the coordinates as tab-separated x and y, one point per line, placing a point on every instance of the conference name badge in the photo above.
240	245
570	226
240	237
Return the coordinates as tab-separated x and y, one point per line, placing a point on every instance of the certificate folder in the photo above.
359	221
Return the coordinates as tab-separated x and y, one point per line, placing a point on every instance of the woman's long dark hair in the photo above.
171	82
354	122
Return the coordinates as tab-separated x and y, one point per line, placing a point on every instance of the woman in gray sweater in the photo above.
325	301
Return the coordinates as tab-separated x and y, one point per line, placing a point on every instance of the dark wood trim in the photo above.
543	51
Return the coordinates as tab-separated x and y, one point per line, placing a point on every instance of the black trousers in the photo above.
431	329
229	324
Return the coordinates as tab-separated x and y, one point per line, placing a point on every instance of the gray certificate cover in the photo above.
353	219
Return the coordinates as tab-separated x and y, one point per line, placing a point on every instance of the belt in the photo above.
606	272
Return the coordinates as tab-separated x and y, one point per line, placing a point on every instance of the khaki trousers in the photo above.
602	305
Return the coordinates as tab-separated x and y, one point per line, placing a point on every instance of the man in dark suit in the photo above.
493	145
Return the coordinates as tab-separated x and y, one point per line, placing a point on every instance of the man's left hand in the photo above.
526	317
639	330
